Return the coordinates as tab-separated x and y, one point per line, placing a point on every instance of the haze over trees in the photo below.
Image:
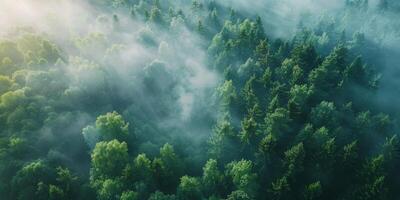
202	99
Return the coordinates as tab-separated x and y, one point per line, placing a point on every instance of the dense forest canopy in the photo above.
202	99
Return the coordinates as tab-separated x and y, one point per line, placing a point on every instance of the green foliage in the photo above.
238	195
168	169
28	178
227	93
161	196
130	195
224	142
242	176
212	177
305	56
189	188
294	118
294	159
109	189
278	122
108	160
313	191
110	126
324	114
280	189
299	98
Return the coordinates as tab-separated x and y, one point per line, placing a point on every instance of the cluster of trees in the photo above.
293	113
295	117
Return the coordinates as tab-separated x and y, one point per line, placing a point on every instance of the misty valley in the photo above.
199	100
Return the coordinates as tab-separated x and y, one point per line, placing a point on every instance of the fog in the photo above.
158	73
283	18
107	59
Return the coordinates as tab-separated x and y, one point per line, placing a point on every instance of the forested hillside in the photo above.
199	100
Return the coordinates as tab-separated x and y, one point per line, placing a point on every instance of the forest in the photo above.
199	99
